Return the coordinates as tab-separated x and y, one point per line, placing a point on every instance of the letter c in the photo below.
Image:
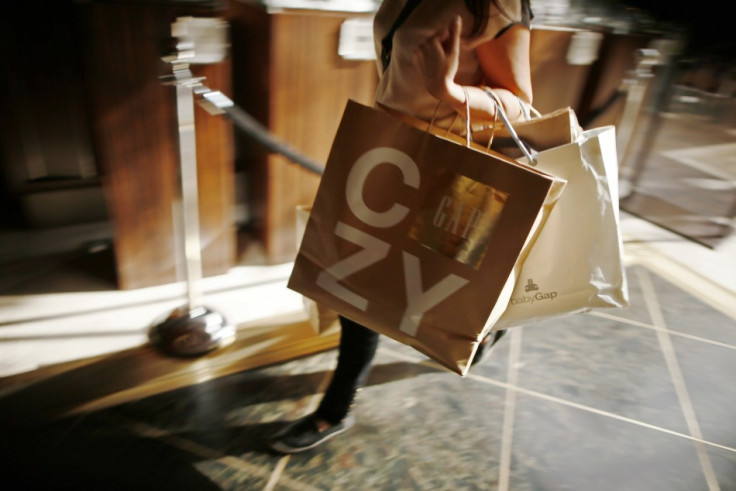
356	180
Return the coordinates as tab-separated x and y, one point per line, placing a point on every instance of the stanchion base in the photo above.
191	332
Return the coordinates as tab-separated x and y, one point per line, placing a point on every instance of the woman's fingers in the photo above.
439	58
453	51
455	28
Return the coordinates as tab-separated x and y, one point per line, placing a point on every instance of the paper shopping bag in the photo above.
547	131
321	318
576	263
415	236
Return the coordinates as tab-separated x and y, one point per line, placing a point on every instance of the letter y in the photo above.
418	301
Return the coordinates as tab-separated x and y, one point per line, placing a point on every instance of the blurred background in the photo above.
89	141
90	229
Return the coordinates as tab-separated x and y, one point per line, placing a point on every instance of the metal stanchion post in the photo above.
638	87
637	84
195	329
192	329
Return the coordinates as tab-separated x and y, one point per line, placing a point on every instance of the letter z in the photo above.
373	251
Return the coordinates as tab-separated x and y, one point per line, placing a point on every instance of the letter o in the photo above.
356	180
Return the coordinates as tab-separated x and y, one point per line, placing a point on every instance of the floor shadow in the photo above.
74	271
62	393
256	387
90	454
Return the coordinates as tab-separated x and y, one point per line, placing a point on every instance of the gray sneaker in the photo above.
304	434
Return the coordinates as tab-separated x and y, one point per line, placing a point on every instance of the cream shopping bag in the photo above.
576	263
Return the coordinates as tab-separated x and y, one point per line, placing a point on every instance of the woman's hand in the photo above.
438	59
505	62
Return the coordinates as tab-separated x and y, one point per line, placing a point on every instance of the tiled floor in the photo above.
637	399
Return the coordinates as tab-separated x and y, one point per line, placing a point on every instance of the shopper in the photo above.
436	59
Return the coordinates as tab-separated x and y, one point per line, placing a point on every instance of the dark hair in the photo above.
479	9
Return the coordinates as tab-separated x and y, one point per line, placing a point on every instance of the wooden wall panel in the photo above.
589	89
306	88
617	58
555	82
215	174
136	143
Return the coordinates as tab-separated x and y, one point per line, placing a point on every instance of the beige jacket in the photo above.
401	86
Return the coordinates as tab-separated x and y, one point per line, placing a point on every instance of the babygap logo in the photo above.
533	294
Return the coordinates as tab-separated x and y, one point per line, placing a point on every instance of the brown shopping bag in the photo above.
546	131
321	318
416	236
576	262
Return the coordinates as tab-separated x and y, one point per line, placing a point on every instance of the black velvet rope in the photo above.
249	125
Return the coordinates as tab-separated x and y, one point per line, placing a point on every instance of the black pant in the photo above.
357	348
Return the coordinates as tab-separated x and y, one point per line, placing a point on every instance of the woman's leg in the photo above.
357	348
356	352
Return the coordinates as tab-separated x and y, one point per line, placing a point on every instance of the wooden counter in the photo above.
287	74
136	140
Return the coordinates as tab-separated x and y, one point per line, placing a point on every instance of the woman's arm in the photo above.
504	62
506	67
